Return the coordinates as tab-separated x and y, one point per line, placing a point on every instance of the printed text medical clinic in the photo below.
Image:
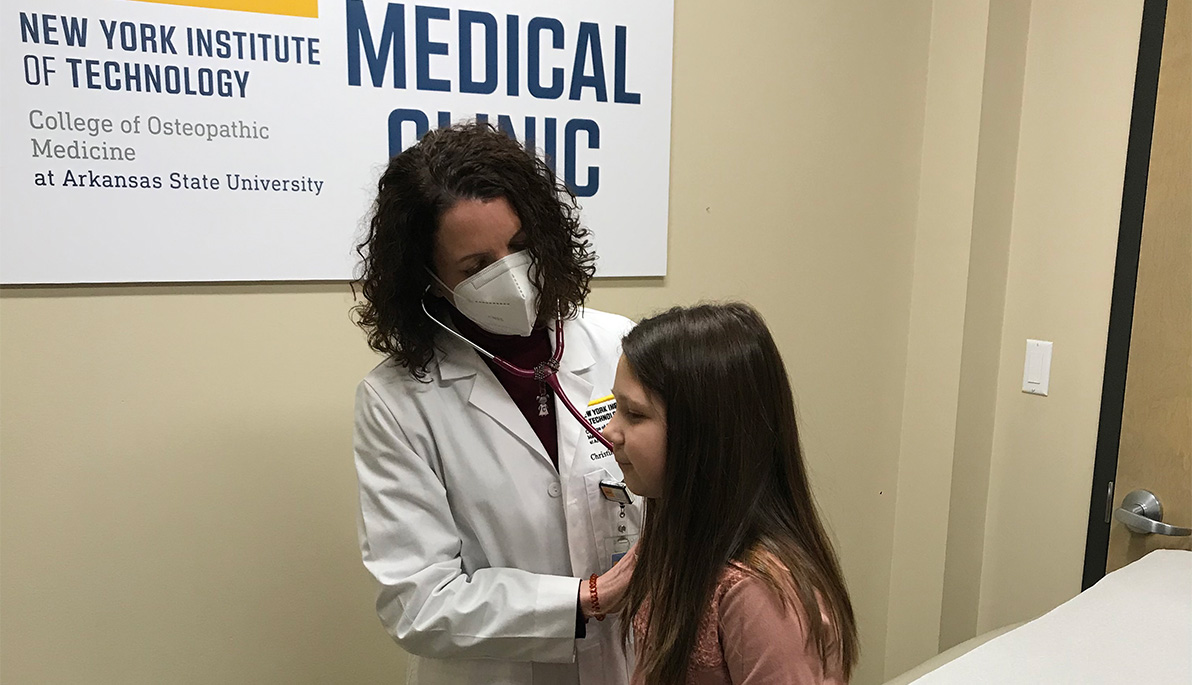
378	44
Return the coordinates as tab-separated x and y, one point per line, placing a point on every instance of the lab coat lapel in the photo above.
490	397
577	362
457	361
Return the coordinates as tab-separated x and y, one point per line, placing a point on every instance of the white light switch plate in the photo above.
1036	372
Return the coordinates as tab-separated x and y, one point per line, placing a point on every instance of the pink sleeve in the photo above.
764	644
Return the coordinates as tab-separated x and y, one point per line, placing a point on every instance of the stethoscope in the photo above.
546	372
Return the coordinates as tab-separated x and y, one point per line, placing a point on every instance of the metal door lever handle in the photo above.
1142	513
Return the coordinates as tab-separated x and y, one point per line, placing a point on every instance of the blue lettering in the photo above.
401	119
589	41
619	93
593	130
203	44
73	28
76	31
467	19
128	36
29	28
425	47
48	28
223	48
533	44
393	36
401	116
512	53
111	72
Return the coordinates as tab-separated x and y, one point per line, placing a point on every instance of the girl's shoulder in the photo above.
765	630
763	570
733	575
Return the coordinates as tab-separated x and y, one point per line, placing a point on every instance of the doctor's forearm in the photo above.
503	614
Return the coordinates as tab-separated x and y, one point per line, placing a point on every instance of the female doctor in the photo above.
482	515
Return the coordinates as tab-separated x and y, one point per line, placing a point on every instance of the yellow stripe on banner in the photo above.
602	400
293	8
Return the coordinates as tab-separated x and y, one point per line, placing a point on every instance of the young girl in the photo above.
735	579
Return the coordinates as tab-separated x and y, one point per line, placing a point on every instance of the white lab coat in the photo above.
477	543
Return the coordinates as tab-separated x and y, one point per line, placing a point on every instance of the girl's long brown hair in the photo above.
735	488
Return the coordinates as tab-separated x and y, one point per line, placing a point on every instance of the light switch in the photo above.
1036	371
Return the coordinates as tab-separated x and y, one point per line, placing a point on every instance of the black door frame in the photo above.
1125	280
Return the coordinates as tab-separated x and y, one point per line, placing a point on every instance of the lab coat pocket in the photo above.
614	527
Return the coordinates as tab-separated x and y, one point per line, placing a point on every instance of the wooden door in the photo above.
1155	447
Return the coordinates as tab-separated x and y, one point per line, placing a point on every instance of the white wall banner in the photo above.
241	140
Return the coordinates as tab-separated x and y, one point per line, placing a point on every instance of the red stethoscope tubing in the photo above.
546	372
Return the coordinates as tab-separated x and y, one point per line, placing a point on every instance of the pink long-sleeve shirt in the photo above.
747	637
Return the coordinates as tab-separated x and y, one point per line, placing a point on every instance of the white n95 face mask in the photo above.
501	298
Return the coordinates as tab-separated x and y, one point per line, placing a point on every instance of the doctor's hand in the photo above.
611	587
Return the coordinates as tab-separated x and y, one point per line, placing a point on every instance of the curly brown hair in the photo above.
472	161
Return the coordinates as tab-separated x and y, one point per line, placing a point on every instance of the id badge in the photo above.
616	491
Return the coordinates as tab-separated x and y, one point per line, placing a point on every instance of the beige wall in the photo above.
943	234
177	488
1077	93
176	491
1015	238
993	208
